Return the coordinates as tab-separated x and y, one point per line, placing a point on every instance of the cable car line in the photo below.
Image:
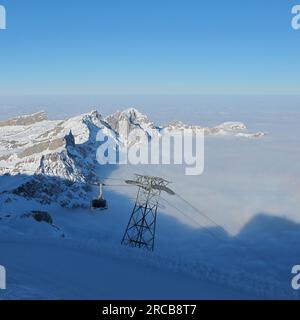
192	219
200	212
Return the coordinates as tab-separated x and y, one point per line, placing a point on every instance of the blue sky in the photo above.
149	46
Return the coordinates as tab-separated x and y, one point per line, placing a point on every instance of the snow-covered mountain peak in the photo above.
124	122
93	116
130	115
89	118
134	115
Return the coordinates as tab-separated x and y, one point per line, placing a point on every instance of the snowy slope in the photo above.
63	272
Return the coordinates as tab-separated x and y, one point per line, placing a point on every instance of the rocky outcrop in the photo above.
25	120
41	216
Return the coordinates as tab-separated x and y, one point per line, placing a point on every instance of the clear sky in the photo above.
149	46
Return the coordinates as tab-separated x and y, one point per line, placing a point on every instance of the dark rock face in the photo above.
47	190
40	216
41	189
70	140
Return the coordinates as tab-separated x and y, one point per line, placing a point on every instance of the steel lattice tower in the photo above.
140	231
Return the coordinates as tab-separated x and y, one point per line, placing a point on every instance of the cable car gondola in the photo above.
100	203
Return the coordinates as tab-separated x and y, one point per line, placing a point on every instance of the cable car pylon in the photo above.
141	228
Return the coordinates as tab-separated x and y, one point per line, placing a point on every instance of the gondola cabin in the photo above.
100	203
